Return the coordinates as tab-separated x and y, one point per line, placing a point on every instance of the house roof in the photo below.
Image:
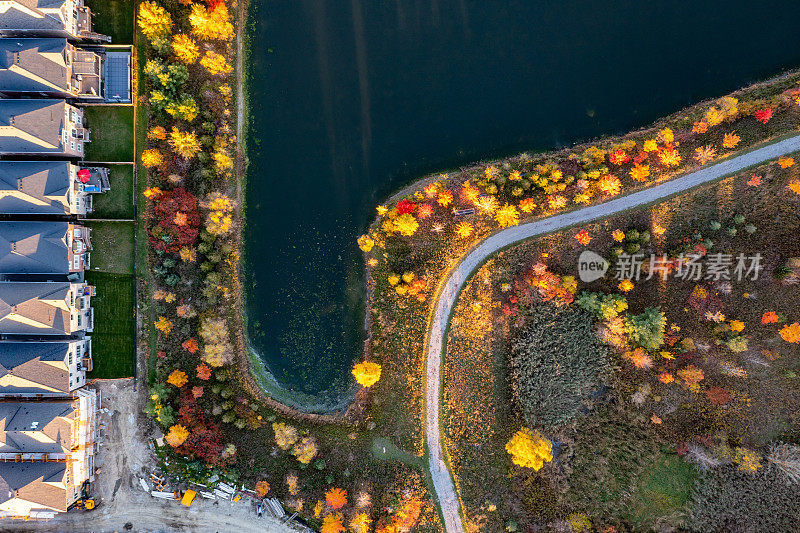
31	15
37	427
34	248
35	187
34	308
31	126
33	485
32	65
34	368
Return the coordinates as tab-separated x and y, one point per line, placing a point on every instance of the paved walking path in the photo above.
442	478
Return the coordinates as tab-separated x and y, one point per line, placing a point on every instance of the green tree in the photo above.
647	329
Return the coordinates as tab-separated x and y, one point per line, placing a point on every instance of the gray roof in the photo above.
31	301
34	187
36	368
31	126
26	15
34	248
33	65
34	482
31	481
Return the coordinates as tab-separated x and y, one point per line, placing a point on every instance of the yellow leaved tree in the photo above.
185	48
367	374
185	143
529	449
215	63
211	24
154	20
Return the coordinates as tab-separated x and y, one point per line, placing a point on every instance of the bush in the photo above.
557	362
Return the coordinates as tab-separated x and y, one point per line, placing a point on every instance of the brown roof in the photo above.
37	427
38	485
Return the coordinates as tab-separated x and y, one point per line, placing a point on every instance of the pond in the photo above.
350	100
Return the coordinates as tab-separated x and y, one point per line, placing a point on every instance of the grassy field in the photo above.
114	336
113	245
112	133
118	202
113	18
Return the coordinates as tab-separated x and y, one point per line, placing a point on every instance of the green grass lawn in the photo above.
113	247
112	133
118	202
113	18
114	335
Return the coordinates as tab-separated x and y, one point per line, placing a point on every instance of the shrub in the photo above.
557	362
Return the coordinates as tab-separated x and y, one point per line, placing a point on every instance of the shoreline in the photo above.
257	378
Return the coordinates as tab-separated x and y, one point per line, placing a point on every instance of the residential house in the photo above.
46	454
49	187
45	308
47	18
44	369
50	128
43	247
50	68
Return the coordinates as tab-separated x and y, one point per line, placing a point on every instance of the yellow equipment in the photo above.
89	505
188	497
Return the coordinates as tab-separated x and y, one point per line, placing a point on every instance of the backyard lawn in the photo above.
113	247
111	133
118	202
114	336
113	18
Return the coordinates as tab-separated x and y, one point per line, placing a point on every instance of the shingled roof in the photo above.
35	187
31	15
34	368
29	486
34	248
31	126
35	308
33	65
37	427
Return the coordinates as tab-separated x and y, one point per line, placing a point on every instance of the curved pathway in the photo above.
456	277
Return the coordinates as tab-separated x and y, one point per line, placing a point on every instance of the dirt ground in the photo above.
122	505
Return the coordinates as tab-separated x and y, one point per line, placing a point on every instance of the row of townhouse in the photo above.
51	61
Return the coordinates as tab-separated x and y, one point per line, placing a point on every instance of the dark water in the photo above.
351	99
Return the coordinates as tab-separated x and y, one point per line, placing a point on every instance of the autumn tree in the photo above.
152	158
185	48
791	333
219	218
178	378
336	498
215	63
506	216
177	435
262	488
154	20
305	450
185	143
529	449
332	523
211	23
285	435
367	373
217	350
